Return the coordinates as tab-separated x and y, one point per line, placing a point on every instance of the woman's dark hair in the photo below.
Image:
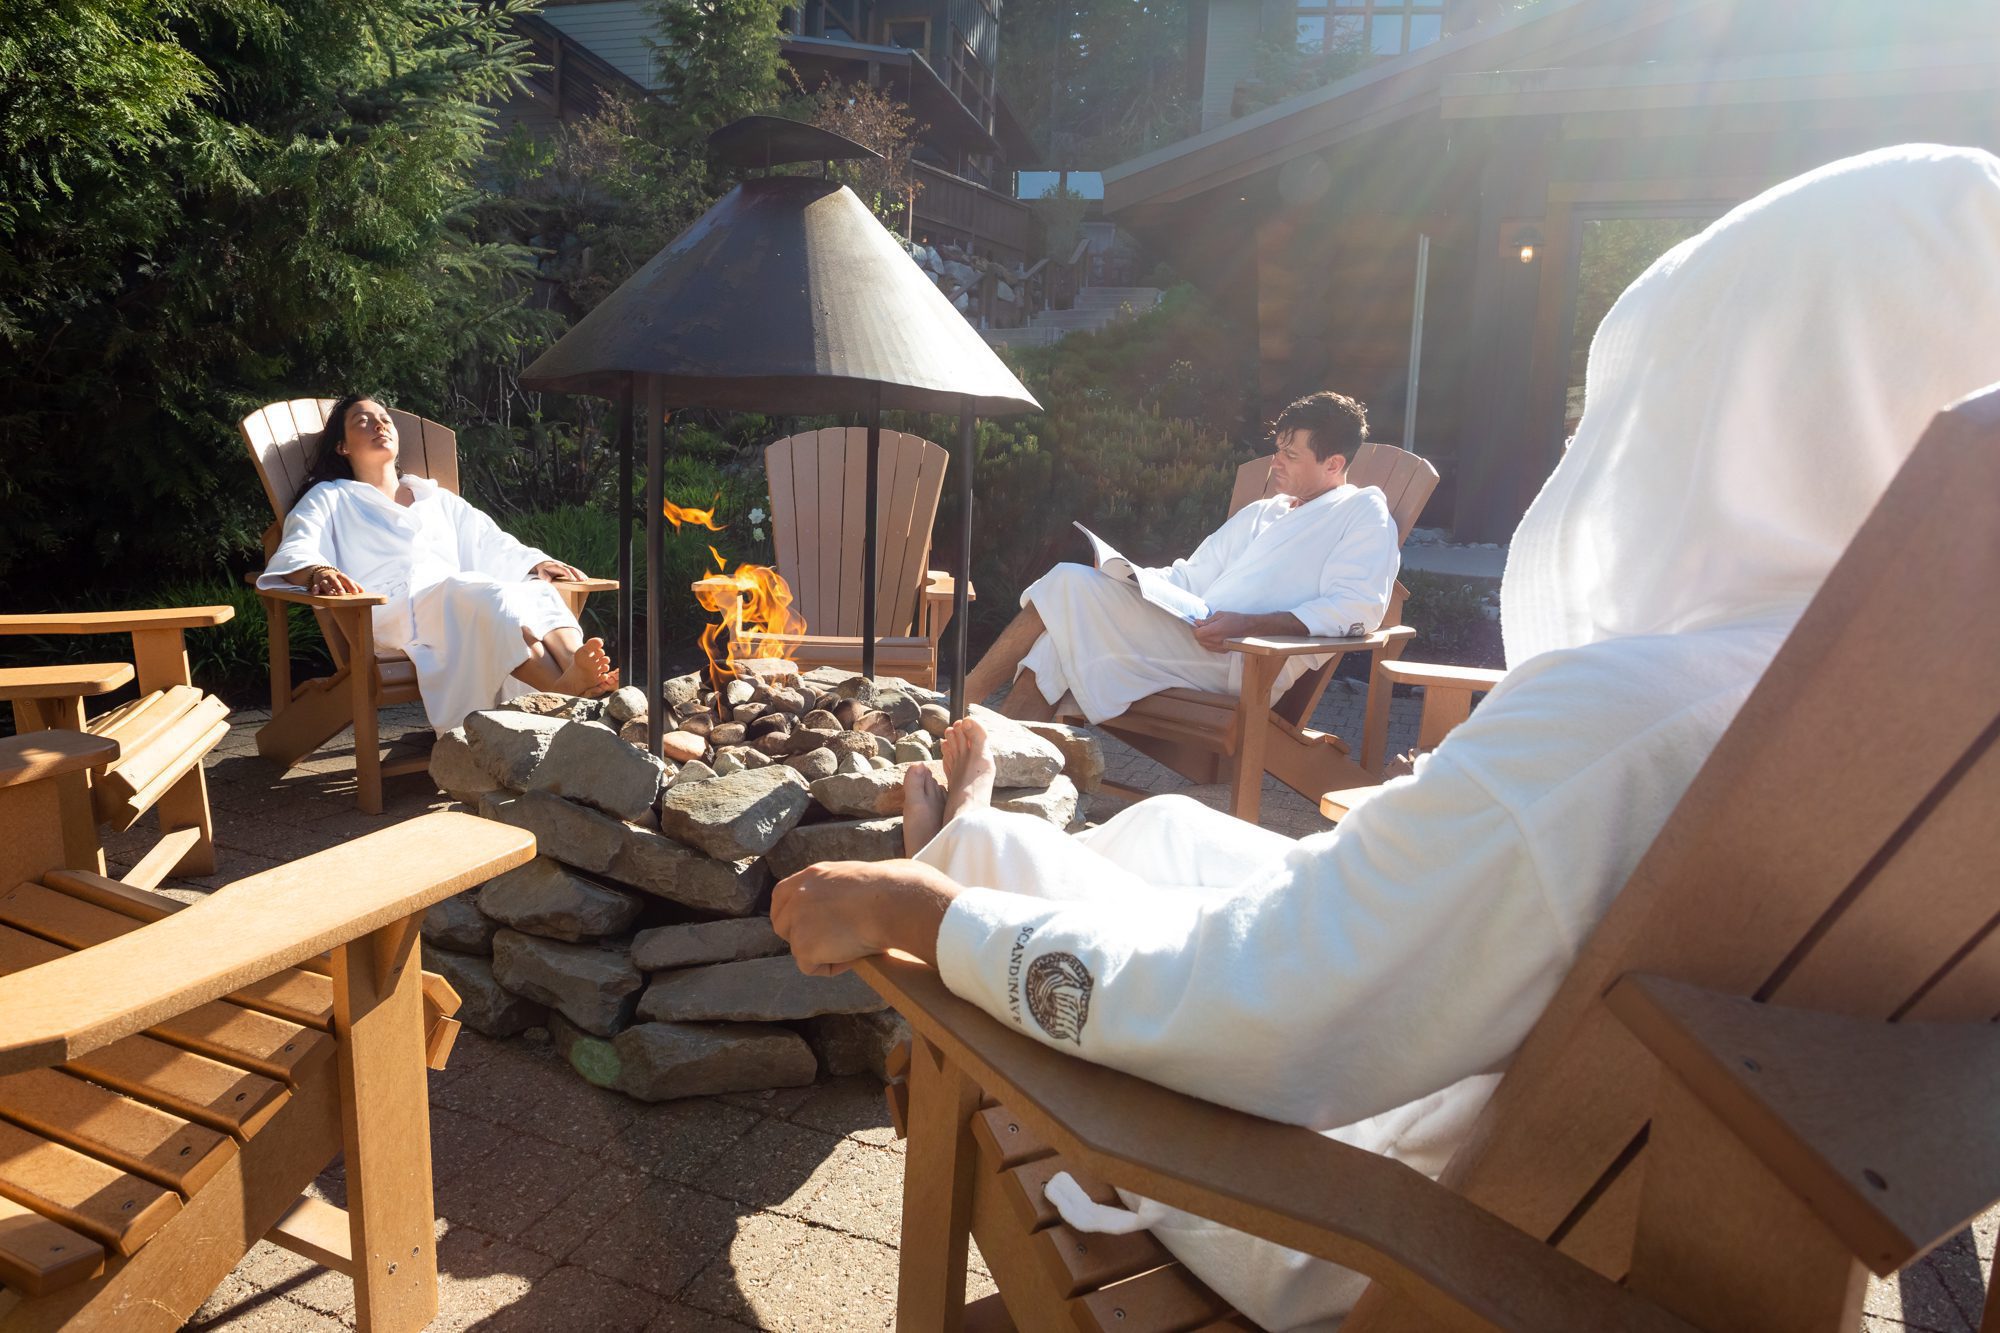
1333	423
328	463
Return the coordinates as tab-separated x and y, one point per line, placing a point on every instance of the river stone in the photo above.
1020	757
936	718
764	724
635	732
827	679
683	747
457	924
737	692
484	1005
542	704
903	712
571	833
772	670
861	795
852	763
757	990
731	761
456	769
856	1043
739	816
587	763
622	705
593	988
882	764
508	745
658	1062
1083	755
1055	802
813	764
665	947
728	733
773	744
877	724
692	771
546	898
681	691
852	742
909	752
820	720
659	866
700	724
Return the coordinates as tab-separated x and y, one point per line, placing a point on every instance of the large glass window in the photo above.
1378	27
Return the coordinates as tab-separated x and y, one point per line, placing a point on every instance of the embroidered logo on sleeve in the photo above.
1059	995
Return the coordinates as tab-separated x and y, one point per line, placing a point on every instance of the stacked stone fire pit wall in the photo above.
640	937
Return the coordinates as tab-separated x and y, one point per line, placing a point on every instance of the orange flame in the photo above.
700	518
755	606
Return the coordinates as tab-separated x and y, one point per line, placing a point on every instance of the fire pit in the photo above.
640	937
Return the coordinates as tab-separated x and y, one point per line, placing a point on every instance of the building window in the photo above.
971	82
910	34
1376	27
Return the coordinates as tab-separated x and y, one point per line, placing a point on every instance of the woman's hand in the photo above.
326	581
838	911
555	571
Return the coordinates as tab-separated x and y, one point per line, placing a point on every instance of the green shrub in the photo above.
1450	618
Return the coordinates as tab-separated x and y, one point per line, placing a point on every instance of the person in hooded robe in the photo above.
1319	557
470	606
1749	399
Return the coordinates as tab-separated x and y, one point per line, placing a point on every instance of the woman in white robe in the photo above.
1748	401
468	604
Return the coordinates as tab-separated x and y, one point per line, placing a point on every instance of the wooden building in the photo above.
1547	154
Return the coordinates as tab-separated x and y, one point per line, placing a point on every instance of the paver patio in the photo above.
565	1207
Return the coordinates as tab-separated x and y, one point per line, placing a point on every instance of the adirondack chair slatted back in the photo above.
1837	852
819	494
1405	479
282	438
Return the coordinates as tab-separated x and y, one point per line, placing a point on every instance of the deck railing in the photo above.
951	209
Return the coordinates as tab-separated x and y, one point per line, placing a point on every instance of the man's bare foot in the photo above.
923	808
968	769
589	673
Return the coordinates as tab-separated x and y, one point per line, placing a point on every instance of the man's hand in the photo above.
1220	628
838	911
555	571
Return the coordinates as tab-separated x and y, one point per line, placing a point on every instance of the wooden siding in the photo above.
950	208
616	31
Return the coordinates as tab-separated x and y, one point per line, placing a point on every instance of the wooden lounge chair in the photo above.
307	716
1203	735
1770	1071
819	491
163	735
1448	698
172	1080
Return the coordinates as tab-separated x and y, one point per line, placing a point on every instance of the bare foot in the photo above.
968	769
589	673
923	808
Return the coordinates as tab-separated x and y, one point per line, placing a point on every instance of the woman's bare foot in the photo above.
968	769
589	673
923	808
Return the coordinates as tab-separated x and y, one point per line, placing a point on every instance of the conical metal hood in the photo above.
787	297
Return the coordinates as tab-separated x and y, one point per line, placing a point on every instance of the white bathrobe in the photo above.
461	592
1331	562
1749	399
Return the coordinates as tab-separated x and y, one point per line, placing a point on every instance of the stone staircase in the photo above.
1096	307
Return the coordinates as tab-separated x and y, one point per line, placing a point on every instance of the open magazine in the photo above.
1161	592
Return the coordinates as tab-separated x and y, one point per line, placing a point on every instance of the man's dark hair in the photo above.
1333	423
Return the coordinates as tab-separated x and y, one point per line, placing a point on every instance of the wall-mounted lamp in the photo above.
1524	245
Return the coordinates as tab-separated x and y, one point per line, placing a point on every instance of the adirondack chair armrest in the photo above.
938	583
244	932
1281	1182
584	585
50	754
1302	645
1435	675
118	622
333	602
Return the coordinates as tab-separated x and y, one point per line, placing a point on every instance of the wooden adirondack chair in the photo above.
1771	1070
303	718
1203	735
163	735
172	1080
819	493
1448	697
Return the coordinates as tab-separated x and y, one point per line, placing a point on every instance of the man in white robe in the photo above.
467	603
1749	399
1320	558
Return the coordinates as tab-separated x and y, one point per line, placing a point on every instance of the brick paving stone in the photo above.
858	1189
519	1182
770	1101
679	1139
687	1319
253	1310
460	1143
852	1106
770	1167
574	1300
558	1232
781	1274
299	1280
662	1238
480	1276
